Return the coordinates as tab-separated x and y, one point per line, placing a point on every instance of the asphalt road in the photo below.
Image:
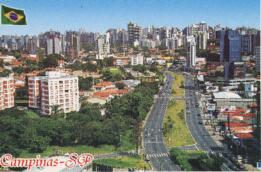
195	123
155	149
194	120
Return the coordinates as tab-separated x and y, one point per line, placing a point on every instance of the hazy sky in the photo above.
100	15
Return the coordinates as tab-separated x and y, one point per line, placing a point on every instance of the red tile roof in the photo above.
111	92
244	135
103	84
236	124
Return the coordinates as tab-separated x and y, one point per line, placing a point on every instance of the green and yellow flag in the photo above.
12	16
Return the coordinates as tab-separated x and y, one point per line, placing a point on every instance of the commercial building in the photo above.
7	91
227	99
246	44
230	50
54	89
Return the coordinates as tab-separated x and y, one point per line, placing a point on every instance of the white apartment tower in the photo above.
192	53
54	89
137	59
53	46
7	91
103	47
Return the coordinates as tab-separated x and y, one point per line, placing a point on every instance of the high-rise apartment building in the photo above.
191	46
133	33
55	89
7	91
103	47
72	44
192	53
202	38
257	54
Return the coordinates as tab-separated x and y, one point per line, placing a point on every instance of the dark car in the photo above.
200	122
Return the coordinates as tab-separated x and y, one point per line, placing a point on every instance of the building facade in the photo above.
133	33
230	50
54	89
257	54
103	47
7	91
137	60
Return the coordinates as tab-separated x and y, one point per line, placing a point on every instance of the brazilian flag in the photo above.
12	16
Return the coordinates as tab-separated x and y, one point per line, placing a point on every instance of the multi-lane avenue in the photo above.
194	120
155	149
195	123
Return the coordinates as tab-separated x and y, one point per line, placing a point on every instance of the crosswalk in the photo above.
157	155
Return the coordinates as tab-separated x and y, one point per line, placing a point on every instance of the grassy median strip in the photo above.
175	130
135	162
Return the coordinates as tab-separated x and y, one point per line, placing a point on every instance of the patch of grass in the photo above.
115	70
71	149
178	134
135	162
21	101
183	157
177	88
195	153
31	114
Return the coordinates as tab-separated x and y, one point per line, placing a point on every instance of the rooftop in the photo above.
103	84
244	135
226	95
236	124
111	92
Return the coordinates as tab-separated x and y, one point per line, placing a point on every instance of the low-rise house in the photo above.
109	94
105	85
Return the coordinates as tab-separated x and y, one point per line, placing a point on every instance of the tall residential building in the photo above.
103	47
192	53
72	44
257	54
137	59
32	45
53	46
191	46
51	42
54	89
230	50
87	40
7	91
202	38
133	33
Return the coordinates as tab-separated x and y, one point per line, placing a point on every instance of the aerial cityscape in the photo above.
130	90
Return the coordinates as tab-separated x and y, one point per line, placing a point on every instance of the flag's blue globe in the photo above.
13	16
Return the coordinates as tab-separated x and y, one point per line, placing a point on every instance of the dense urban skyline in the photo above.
99	15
